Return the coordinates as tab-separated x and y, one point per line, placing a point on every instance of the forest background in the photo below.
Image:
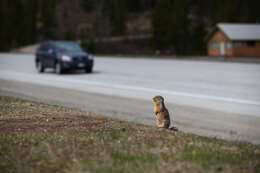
176	27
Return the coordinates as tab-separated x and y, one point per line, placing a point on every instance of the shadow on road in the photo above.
74	72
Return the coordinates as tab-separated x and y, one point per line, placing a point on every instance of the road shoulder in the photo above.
190	119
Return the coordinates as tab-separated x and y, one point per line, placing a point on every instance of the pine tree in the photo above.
162	20
171	25
48	10
118	16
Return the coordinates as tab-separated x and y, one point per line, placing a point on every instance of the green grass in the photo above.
92	143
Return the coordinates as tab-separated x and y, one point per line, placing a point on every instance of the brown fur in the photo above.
161	113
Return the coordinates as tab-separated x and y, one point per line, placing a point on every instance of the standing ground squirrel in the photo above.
161	113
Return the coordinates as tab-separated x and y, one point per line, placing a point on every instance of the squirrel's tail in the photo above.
174	128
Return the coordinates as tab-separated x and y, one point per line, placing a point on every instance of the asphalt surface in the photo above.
208	98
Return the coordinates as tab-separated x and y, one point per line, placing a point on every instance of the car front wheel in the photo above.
88	70
40	67
58	68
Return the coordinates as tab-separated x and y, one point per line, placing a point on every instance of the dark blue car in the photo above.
63	56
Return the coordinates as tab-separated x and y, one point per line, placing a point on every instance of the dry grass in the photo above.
37	137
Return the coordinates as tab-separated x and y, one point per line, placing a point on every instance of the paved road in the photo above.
208	98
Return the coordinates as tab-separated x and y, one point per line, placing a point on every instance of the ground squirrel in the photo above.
161	113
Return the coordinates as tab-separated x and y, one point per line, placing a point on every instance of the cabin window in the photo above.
250	43
237	44
213	45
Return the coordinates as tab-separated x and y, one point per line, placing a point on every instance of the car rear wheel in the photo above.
40	67
58	68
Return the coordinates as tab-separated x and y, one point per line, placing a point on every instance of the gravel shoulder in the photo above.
189	119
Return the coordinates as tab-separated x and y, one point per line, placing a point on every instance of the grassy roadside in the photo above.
36	137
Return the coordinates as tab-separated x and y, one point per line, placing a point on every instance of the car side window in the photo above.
50	48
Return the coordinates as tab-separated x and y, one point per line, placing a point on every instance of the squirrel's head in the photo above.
158	99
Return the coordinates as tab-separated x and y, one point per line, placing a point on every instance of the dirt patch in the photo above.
19	115
43	123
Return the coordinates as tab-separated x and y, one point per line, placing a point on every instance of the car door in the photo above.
50	56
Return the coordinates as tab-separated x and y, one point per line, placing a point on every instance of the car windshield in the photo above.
68	47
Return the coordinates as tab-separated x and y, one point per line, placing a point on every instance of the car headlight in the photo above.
90	57
65	58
